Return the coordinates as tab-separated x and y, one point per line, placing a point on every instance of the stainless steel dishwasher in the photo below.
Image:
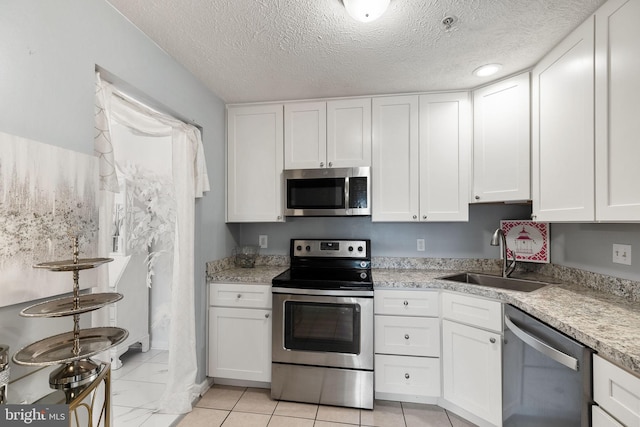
546	376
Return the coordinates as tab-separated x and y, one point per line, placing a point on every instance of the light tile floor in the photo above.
141	380
228	406
136	386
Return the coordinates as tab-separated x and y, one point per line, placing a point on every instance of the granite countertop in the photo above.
607	323
261	274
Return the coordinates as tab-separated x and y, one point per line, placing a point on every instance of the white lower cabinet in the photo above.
472	361
412	377
618	394
239	346
600	418
407	346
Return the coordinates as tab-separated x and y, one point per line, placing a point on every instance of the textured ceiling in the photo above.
264	50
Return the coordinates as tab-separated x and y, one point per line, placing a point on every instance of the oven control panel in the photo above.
331	248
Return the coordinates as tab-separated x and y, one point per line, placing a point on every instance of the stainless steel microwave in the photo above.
328	192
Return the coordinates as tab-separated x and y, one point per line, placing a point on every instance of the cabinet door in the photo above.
254	164
305	135
501	141
395	158
240	344
445	137
472	370
617	106
600	418
616	391
563	130
349	133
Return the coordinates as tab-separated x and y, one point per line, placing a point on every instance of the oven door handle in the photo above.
544	348
322	292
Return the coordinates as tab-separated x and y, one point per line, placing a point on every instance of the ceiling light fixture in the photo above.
487	70
366	10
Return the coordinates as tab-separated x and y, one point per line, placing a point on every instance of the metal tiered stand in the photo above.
77	374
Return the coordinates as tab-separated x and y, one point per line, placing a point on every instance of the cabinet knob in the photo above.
279	217
424	217
321	164
239	296
330	164
533	217
477	197
406	336
406	303
415	217
492	340
406	375
266	316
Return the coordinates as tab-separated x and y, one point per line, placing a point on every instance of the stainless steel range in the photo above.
323	325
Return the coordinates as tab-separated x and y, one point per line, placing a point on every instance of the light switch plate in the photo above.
622	254
420	245
263	241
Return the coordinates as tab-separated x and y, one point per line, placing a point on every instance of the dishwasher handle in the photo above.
541	346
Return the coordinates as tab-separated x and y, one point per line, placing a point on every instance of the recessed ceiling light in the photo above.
366	10
487	70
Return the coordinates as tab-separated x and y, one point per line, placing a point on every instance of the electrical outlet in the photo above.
622	254
263	241
420	245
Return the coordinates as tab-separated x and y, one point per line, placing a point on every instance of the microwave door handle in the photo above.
541	346
347	209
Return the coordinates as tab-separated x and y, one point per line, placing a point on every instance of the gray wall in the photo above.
590	246
49	51
442	240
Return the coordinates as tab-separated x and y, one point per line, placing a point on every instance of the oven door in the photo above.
316	330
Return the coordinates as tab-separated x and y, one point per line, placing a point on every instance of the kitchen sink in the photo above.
491	281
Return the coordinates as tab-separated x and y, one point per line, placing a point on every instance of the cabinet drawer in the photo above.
240	295
472	311
407	303
417	376
409	336
616	391
600	418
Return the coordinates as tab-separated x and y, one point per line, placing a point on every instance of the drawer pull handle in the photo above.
492	340
406	303
406	375
406	336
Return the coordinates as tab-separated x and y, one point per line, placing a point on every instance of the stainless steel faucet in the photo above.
496	239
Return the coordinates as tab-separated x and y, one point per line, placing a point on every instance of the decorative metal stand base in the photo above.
75	374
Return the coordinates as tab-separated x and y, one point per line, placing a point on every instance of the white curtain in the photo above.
190	181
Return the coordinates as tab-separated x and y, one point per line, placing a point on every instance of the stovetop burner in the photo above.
328	265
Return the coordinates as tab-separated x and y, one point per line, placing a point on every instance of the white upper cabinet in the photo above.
305	135
617	106
327	134
421	157
395	158
445	137
349	133
254	163
501	141
563	130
